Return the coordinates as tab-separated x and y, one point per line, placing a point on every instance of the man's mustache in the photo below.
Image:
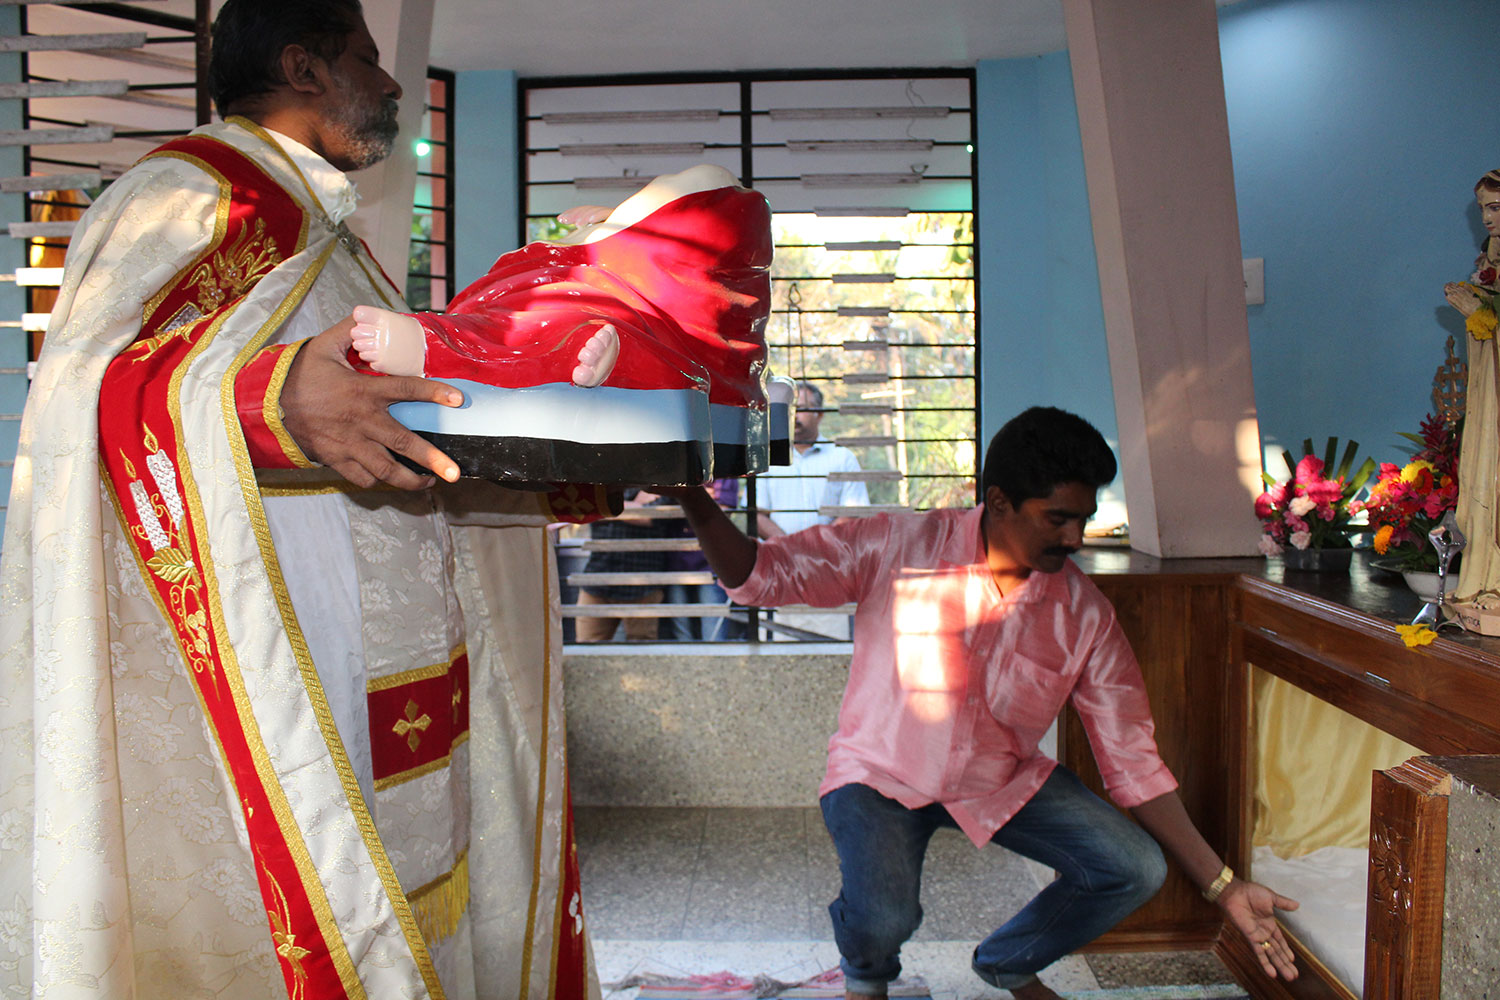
1059	550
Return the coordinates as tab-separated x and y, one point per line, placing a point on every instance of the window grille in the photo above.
870	180
429	272
99	85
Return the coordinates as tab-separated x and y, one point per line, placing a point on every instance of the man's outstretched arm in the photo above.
730	552
1249	906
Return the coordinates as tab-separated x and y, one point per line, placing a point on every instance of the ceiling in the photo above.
572	38
596	37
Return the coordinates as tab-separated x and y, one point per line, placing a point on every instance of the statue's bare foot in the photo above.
390	343
597	358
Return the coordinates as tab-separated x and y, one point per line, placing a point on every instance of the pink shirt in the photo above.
952	685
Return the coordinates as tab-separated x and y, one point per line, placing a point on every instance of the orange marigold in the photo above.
1383	538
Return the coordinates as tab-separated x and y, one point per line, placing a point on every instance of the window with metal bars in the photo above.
870	180
98	85
429	271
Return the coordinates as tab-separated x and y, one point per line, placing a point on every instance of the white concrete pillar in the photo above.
1150	92
403	31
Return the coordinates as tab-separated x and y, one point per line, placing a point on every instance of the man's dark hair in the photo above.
1042	448
250	35
808	387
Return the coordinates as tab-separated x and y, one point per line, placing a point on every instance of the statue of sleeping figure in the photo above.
632	350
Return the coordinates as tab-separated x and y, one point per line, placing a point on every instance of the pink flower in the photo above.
1296	524
1302	506
1329	491
1268	546
1310	469
1265	507
1300	539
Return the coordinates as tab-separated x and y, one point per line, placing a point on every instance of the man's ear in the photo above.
303	71
995	500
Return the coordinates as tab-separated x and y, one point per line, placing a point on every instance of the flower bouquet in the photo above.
1311	510
1407	501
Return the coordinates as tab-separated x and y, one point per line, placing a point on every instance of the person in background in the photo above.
789	497
628	560
707	628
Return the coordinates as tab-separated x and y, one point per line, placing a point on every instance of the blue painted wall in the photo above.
1042	326
13	382
486	182
1358	129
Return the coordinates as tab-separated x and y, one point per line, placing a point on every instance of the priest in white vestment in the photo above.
276	712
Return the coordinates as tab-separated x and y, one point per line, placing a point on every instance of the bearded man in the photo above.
243	645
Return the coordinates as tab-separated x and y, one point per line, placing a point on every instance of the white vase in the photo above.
1424	585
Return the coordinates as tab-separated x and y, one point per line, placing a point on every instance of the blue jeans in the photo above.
1107	867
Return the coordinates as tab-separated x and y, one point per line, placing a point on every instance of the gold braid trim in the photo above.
440	904
271	408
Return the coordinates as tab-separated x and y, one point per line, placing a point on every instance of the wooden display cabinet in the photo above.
1197	626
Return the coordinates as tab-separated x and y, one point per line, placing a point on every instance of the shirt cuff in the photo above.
752	592
257	400
1131	792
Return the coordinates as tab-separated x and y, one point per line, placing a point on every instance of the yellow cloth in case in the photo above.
1313	766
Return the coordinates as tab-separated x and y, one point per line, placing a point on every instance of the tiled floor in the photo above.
678	891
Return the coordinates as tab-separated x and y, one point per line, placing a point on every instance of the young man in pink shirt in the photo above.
973	627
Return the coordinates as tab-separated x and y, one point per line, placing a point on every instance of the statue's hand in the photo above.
1462	296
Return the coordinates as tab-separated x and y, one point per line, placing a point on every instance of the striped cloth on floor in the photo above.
1223	991
830	986
729	986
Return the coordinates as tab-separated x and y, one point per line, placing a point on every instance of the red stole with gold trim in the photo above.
144	459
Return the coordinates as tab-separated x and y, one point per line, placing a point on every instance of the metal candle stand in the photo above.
1448	541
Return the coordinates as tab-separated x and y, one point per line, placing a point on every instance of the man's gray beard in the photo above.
369	137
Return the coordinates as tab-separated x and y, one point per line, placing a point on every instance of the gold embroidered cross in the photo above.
412	725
